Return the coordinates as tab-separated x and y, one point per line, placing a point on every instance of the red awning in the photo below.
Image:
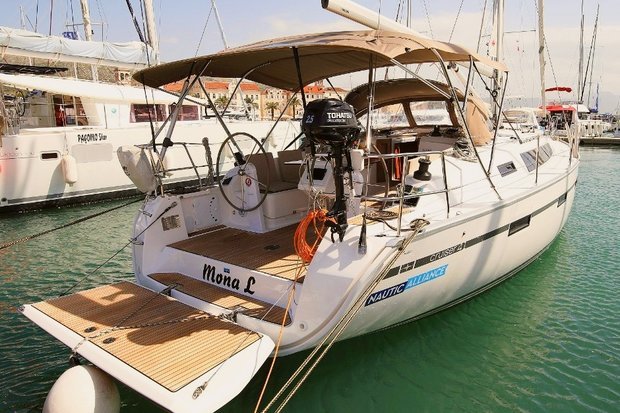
560	89
559	108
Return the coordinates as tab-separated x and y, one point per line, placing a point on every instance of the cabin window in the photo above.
187	112
391	116
140	113
69	111
562	199
430	113
46	156
529	157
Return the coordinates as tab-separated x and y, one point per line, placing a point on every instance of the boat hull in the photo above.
31	175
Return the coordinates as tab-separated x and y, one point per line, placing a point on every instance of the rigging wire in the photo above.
68	224
135	22
428	19
555	78
131	241
484	13
458	14
324	345
72	16
104	19
204	29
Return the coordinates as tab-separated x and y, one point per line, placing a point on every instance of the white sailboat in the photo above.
362	230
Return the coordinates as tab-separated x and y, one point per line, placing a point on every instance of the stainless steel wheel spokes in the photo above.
243	183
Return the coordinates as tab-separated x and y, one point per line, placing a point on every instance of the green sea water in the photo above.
546	340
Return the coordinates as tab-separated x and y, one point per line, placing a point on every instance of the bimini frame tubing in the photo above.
186	88
464	119
454	97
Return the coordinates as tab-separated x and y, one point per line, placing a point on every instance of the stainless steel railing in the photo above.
401	196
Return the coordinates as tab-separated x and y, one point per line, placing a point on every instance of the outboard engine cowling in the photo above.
332	122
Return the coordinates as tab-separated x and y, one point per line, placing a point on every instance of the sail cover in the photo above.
130	55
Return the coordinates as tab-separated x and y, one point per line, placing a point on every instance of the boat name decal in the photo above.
226	280
91	137
410	283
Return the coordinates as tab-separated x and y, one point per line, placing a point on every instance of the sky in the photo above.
188	27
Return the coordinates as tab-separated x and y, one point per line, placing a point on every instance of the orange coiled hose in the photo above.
316	217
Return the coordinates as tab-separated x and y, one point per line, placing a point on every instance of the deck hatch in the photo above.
506	168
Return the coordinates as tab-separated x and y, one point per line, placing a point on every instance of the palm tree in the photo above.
249	101
294	102
221	102
272	106
250	105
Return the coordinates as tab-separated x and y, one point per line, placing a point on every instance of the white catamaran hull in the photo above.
32	176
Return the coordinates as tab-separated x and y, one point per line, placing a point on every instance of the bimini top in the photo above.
323	55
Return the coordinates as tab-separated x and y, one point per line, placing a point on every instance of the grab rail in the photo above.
160	171
401	196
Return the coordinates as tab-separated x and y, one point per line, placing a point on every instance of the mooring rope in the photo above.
340	326
68	224
131	241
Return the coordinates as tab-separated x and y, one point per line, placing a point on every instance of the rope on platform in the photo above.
68	224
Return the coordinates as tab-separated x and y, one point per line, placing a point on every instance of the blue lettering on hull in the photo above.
410	283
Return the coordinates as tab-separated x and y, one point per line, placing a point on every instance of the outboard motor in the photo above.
332	122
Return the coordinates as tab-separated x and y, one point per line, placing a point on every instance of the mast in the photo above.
590	65
88	34
151	31
88	30
498	20
541	55
580	75
219	24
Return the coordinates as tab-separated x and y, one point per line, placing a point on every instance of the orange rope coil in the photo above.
316	217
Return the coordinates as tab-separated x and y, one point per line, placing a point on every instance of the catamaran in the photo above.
351	230
59	137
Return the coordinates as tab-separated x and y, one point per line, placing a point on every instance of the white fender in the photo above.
69	169
83	389
137	166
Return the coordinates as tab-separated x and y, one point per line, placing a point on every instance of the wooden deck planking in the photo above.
164	339
222	297
271	252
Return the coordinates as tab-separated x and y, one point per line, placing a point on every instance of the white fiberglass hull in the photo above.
483	241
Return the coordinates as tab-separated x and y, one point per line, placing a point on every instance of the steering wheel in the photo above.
236	143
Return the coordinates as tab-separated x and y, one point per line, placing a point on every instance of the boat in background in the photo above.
59	136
